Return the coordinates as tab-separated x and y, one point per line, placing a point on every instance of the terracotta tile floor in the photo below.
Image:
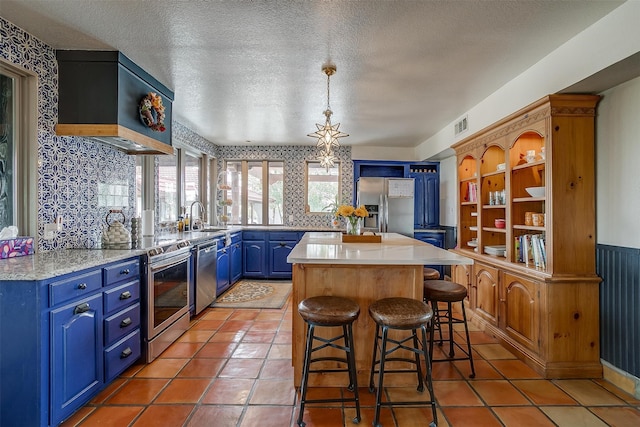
233	369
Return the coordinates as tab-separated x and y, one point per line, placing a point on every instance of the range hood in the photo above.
99	97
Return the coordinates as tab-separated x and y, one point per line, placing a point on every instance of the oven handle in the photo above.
157	267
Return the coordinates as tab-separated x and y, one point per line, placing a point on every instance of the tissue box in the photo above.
18	246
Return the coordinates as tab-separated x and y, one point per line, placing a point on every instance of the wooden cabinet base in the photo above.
364	284
547	369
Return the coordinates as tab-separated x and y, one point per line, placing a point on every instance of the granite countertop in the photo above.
45	265
394	249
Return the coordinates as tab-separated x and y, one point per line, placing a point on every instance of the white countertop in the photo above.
395	249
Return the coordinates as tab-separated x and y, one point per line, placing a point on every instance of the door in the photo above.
278	265
223	278
255	255
426	200
236	261
76	355
206	276
520	310
486	292
399	205
461	274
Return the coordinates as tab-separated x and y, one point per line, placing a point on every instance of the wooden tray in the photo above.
369	238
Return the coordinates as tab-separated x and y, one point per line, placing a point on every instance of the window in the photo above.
323	187
8	190
18	152
256	192
192	190
276	190
167	188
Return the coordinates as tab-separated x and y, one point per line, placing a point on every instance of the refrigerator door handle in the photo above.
386	213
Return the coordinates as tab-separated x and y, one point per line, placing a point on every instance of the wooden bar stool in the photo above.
329	311
430	273
401	314
436	291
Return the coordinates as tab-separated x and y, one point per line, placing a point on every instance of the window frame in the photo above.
244	191
25	161
338	166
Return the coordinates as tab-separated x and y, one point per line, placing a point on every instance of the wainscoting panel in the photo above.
619	269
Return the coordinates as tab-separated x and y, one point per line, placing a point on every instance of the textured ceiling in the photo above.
251	70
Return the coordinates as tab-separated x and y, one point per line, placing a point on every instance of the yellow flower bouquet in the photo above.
353	216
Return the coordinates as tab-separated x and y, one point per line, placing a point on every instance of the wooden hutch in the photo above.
534	286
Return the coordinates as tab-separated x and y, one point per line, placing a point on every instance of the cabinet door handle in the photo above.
126	322
81	308
82	286
283	244
125	271
126	353
125	295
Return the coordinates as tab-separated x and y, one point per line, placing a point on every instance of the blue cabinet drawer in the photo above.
121	296
253	235
74	287
121	323
283	235
123	271
121	355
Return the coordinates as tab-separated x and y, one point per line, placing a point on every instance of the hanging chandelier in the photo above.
327	134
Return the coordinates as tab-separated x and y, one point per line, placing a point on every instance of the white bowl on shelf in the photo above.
535	191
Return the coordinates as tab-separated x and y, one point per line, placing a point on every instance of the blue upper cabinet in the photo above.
427	191
427	195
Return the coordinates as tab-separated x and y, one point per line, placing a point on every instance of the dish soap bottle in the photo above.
186	223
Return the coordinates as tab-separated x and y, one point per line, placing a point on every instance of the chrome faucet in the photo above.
201	216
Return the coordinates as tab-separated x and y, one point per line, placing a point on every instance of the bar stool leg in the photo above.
305	372
429	378
373	358
383	355
417	355
466	330
353	374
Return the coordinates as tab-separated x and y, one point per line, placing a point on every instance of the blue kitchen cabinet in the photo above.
435	238
281	243
236	257
426	195
57	334
76	355
223	277
254	254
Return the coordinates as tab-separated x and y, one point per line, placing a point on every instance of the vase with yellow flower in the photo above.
353	217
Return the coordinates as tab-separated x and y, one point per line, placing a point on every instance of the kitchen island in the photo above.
364	272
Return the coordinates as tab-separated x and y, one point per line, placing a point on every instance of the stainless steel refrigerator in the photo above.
389	202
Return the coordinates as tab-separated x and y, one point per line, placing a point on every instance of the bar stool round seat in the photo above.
329	311
444	291
430	274
400	313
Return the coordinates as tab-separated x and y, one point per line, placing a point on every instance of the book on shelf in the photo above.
530	249
472	192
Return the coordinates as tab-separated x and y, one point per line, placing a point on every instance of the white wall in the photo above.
359	152
448	192
617	160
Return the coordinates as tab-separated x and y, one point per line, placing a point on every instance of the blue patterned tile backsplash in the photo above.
72	172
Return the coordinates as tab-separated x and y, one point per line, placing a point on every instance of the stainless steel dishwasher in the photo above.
205	275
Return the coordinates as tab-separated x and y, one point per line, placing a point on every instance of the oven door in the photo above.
168	288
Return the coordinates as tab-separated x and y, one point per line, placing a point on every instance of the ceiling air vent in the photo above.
461	126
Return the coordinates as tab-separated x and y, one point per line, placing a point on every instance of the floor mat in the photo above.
255	294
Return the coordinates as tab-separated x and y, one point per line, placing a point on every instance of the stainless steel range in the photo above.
167	296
